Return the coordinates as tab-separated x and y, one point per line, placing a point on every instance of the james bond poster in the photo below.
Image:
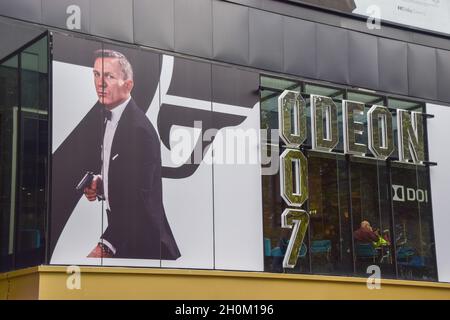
136	136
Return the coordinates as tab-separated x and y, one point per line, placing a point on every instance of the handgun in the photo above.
86	182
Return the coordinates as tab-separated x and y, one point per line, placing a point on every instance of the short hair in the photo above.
127	69
364	223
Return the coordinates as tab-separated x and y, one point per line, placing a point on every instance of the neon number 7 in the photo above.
298	221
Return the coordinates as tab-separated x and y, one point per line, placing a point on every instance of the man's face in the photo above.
111	87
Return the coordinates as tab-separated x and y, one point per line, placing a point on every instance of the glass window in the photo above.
24	146
366	98
371	209
33	155
330	225
363	211
8	145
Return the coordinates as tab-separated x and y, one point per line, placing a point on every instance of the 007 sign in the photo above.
325	137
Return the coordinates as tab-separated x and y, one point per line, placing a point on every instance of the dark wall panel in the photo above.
236	87
112	19
230	32
56	13
422	76
30	10
392	59
154	23
193	27
266	40
300	47
332	54
13	37
443	75
363	60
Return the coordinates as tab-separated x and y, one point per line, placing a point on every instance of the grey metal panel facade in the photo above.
193	27
230	32
443	74
266	40
13	36
30	10
332	54
393	66
112	19
363	59
300	47
58	12
154	23
422	76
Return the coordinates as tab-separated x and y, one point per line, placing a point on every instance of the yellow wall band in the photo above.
49	282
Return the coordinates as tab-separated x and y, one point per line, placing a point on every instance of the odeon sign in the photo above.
325	137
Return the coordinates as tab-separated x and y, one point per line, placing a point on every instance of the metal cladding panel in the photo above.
30	10
332	54
363	60
64	14
422	75
13	37
193	27
443	75
300	47
230	32
154	23
392	60
112	19
235	87
266	40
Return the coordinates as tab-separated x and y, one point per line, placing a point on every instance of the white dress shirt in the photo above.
110	130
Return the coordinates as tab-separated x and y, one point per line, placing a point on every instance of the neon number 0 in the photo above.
293	172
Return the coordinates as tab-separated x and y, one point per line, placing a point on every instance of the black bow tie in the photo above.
107	114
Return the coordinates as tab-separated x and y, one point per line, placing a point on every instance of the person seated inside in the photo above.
365	233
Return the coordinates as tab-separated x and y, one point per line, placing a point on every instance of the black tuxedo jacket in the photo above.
137	224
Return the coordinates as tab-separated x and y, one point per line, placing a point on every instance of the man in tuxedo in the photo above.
129	169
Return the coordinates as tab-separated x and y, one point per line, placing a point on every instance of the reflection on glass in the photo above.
413	223
30	236
363	211
8	146
371	215
330	229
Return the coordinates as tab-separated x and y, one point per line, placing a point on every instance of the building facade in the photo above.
295	149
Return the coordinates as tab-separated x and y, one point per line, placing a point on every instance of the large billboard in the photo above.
136	179
433	15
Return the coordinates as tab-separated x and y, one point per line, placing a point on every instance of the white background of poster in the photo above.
432	15
83	229
438	133
238	230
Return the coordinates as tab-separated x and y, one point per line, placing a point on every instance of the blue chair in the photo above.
267	247
278	252
404	253
321	247
303	251
366	250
